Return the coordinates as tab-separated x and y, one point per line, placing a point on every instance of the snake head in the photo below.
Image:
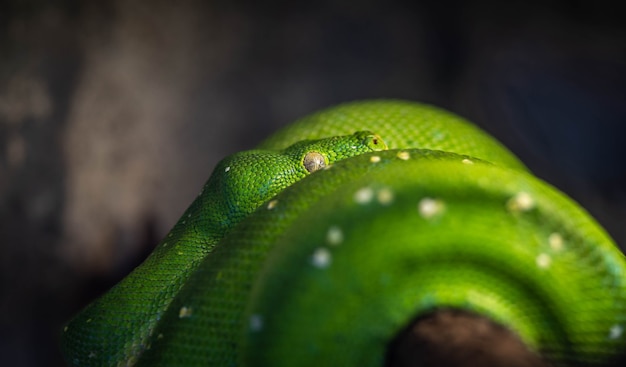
243	181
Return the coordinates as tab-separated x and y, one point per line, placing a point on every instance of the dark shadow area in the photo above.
454	338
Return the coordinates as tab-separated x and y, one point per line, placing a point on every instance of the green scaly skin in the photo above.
113	330
328	271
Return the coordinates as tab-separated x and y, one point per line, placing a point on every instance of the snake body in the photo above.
325	269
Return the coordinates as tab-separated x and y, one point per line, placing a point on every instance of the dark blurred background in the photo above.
113	113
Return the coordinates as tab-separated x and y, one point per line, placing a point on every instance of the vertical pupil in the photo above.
313	161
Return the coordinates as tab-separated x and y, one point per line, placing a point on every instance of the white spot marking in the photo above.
184	222
88	321
92	355
164	244
438	136
184	312
354	147
374	159
227	169
334	236
189	215
543	261
364	195
556	241
616	332
272	204
385	196
521	202
467	161
321	258
160	336
256	322
429	207
179	252
170	235
65	329
403	155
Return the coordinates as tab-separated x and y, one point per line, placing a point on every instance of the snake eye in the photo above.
313	161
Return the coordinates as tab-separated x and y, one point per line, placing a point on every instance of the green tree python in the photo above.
319	246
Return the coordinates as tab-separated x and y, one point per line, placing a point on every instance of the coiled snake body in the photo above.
271	266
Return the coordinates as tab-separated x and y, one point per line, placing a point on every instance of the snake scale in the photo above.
319	246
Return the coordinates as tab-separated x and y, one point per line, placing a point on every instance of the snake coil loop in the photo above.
271	266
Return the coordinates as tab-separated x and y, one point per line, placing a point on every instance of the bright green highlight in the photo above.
114	329
272	265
